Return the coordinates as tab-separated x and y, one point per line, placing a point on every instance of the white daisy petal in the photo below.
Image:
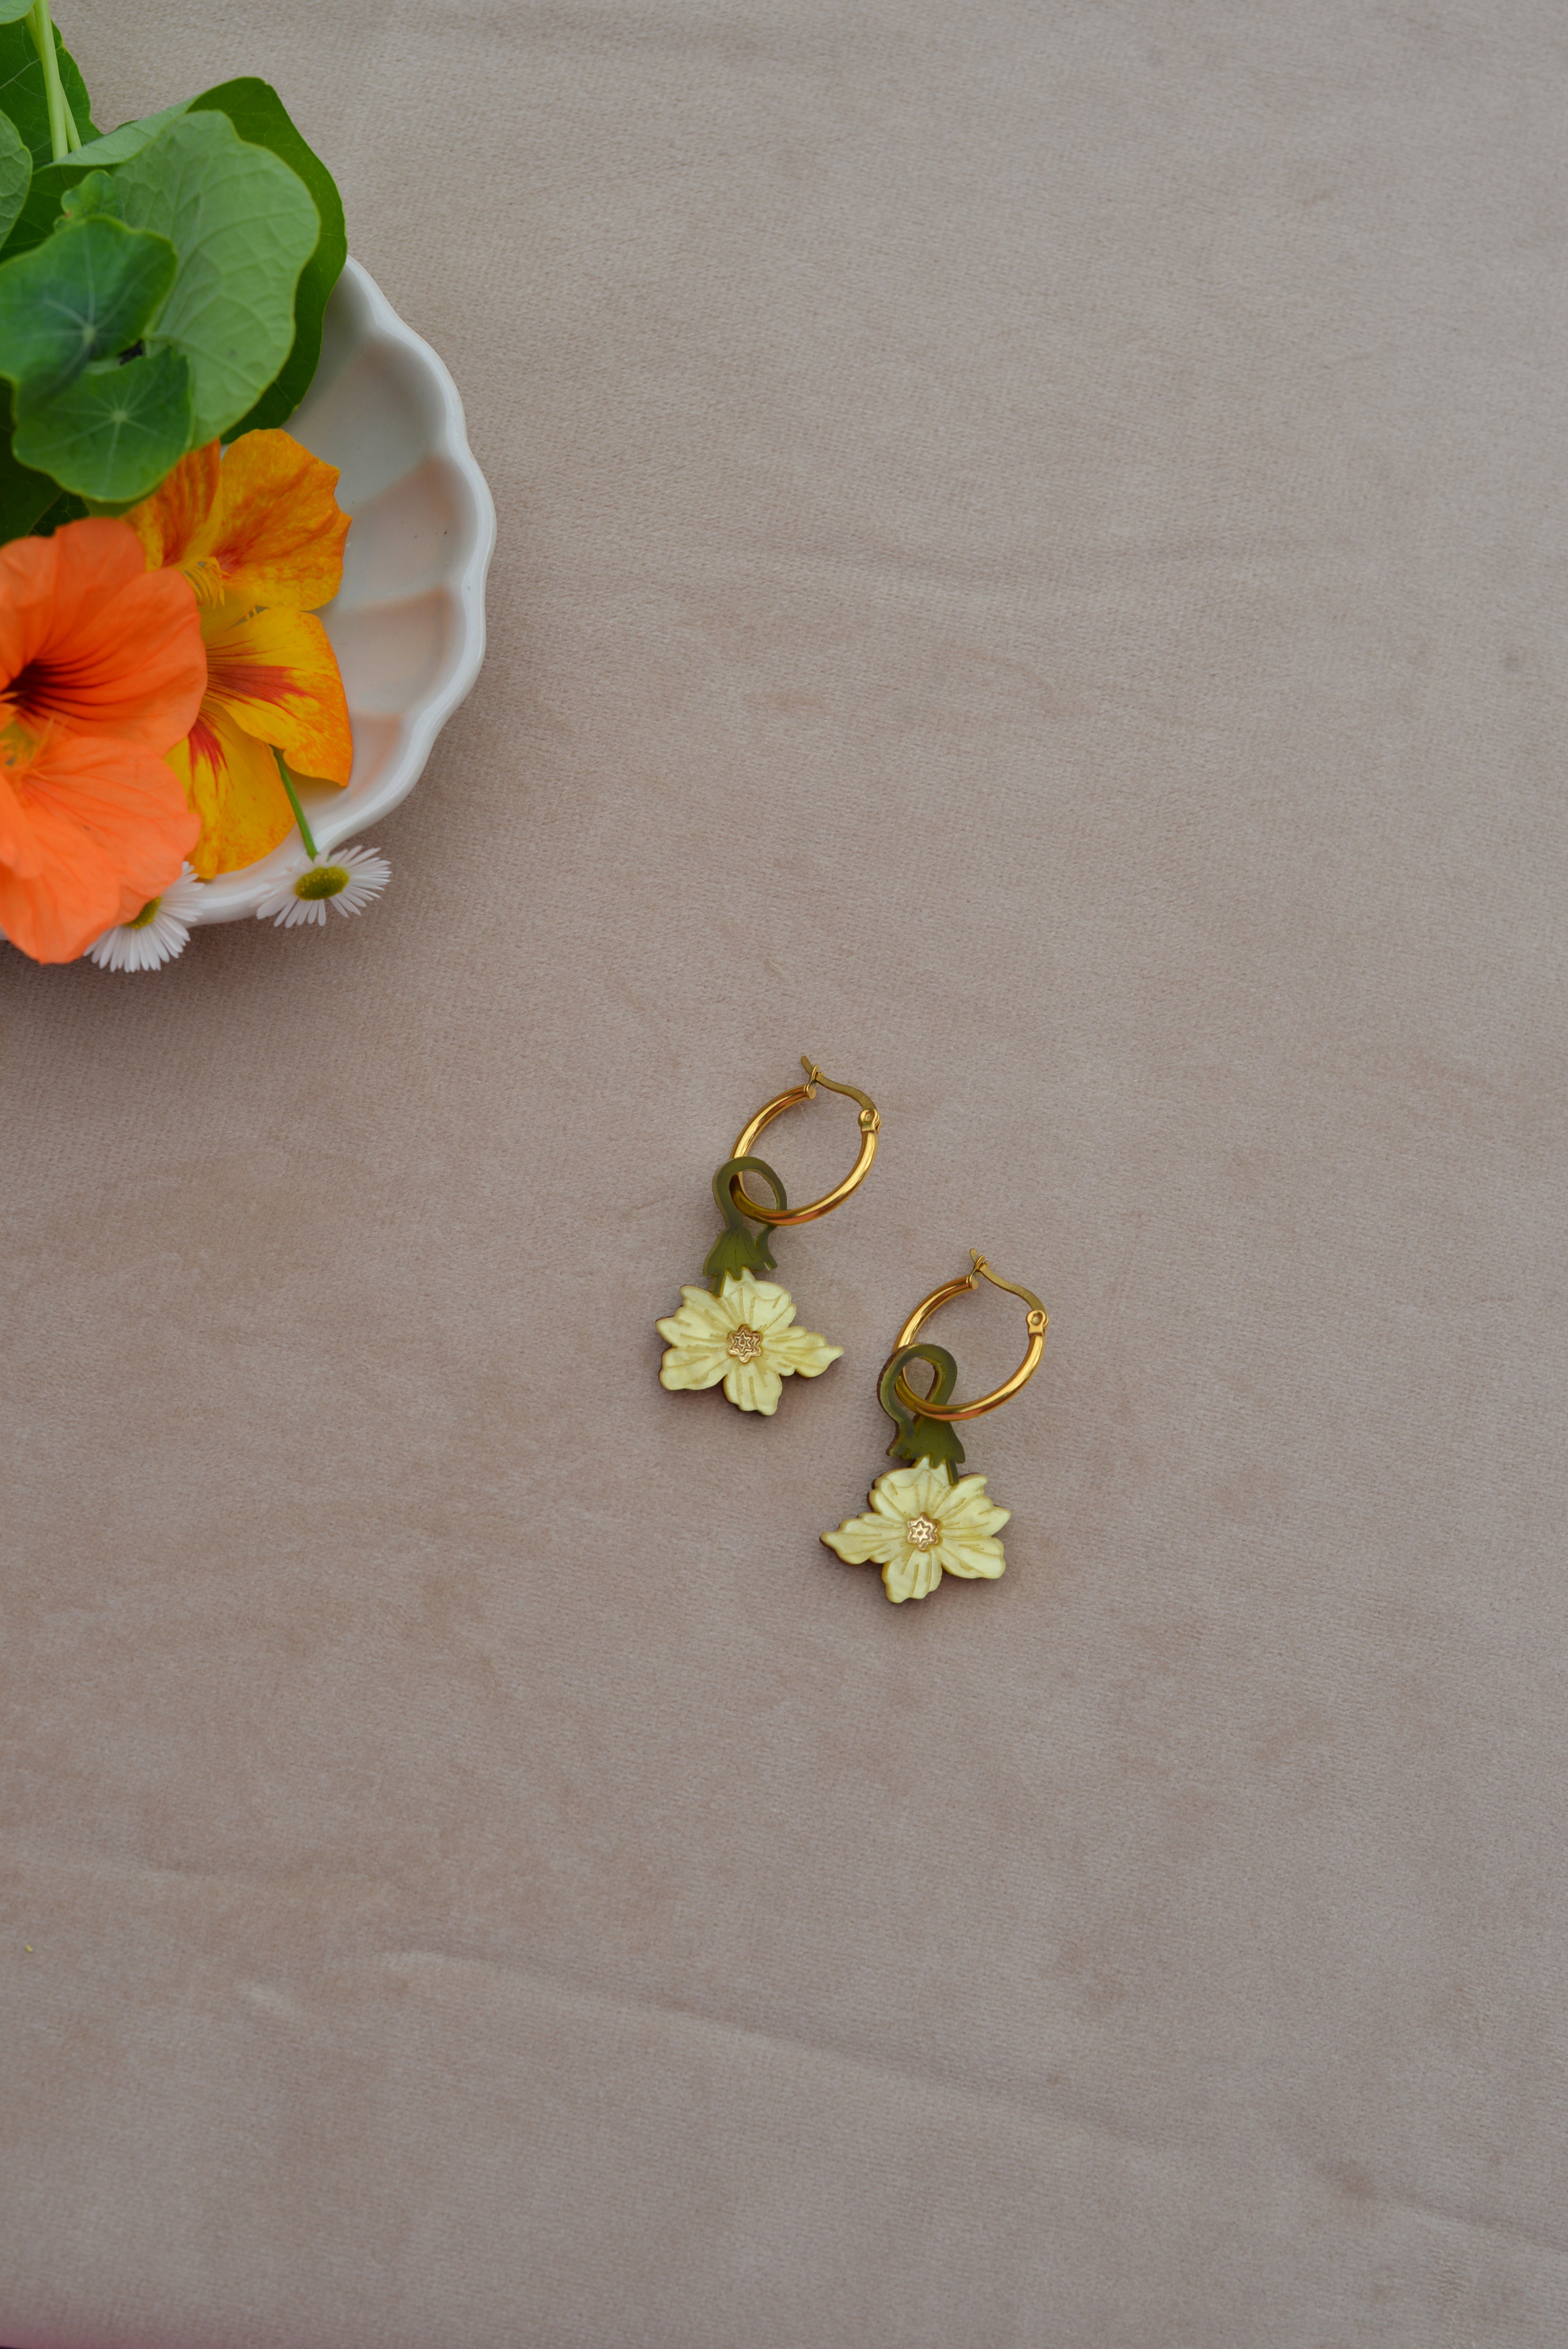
348	878
160	932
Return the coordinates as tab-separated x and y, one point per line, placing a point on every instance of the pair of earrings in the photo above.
925	1519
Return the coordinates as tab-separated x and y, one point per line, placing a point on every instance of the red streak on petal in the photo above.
205	744
245	680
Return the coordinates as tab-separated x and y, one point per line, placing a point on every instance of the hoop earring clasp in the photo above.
1038	1323
870	1125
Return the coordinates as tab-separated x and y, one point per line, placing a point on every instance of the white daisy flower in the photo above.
745	1338
919	1526
347	878
160	932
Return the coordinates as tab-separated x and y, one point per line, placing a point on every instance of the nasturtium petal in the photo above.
169	522
113	433
22	90
15	175
86	295
276	675
243	227
266	524
232	783
259	114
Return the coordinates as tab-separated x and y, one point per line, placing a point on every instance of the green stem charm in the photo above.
919	1438
738	1248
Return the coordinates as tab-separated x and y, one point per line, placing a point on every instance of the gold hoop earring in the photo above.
741	1328
925	1519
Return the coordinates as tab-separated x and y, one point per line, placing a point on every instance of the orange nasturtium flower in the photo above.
101	672
259	535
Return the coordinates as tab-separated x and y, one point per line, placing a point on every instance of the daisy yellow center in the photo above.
147	916
925	1532
744	1344
322	881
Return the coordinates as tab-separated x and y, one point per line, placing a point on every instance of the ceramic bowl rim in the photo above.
232	895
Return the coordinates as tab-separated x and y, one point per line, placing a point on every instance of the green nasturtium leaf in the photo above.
21	91
53	183
119	146
94	195
86	295
15	175
68	507
24	495
11	9
113	434
244	228
258	114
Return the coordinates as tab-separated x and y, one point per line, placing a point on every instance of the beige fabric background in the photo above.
1031	569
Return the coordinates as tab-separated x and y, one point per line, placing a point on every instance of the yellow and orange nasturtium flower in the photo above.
100	671
259	534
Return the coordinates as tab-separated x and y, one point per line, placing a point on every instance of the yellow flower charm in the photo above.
746	1337
920	1527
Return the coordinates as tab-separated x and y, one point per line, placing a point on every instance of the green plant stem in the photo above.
310	847
62	128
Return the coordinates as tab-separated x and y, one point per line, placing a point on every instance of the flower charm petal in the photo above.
746	1337
919	1526
348	878
155	935
259	535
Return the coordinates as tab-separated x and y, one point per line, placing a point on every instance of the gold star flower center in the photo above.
744	1344
925	1532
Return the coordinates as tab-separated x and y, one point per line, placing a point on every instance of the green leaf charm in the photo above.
920	1438
244	228
15	175
113	434
258	114
737	1249
86	295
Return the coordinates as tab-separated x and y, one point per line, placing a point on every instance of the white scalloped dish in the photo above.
409	623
